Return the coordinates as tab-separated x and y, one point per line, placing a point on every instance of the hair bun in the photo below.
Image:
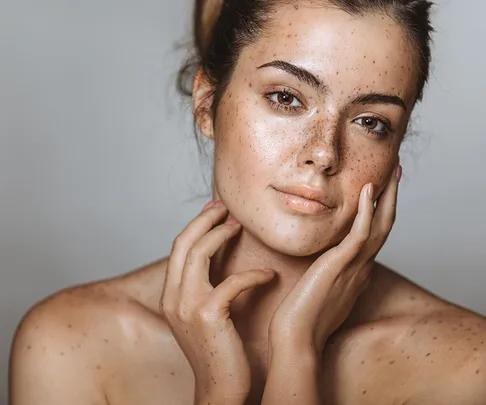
206	15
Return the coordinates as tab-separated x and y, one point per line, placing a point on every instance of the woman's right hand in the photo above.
199	314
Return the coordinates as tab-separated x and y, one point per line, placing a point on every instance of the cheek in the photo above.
247	140
368	163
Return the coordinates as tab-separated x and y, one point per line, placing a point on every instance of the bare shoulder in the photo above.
449	349
82	343
441	344
56	350
405	344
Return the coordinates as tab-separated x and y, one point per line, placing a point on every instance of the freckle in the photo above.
173	373
98	367
435	338
392	362
427	355
362	362
413	333
408	357
477	371
70	326
29	347
62	353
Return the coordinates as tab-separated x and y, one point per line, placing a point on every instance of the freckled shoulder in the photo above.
85	341
449	349
57	351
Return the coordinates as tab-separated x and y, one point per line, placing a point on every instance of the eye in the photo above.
285	99
373	124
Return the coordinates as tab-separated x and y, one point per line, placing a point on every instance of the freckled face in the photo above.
330	133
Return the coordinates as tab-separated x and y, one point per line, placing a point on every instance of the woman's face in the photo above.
317	107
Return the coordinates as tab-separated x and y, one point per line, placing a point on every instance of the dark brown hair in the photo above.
222	28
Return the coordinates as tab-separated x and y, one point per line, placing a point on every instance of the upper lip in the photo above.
308	193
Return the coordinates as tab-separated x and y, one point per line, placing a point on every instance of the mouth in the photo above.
305	200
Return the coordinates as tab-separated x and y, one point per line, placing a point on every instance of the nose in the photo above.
321	150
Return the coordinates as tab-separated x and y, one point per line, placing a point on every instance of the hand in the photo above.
199	315
324	296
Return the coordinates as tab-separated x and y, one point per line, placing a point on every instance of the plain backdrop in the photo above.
99	169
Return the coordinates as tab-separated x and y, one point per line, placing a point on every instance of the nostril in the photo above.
309	162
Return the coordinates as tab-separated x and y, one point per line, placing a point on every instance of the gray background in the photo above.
99	169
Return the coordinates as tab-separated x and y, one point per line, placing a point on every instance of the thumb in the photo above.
234	285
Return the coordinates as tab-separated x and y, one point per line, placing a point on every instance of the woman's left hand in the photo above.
324	296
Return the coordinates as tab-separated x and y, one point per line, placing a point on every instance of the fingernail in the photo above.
232	221
208	205
399	173
218	203
370	191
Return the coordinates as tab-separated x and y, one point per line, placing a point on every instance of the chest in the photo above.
351	376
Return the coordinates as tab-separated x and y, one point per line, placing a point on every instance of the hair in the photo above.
223	28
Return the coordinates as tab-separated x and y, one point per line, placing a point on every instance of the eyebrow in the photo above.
307	77
300	73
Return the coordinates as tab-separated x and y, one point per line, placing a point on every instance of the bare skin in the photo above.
109	343
106	342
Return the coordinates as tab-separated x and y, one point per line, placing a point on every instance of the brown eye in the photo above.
285	98
370	123
373	124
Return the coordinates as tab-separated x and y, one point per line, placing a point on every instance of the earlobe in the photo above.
201	105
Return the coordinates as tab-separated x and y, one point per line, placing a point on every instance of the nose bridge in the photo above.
322	146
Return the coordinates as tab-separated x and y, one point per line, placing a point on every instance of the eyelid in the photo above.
272	89
376	116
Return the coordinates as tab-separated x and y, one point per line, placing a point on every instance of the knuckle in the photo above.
207	315
234	280
195	251
183	314
360	238
177	242
167	308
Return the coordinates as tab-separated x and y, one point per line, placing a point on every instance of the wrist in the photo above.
295	361
214	395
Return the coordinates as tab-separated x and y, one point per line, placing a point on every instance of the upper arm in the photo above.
48	363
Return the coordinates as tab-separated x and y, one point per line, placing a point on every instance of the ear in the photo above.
202	98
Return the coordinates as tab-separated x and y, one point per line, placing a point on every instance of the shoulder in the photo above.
67	345
450	353
417	344
52	352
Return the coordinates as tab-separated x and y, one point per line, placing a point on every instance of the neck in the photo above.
253	309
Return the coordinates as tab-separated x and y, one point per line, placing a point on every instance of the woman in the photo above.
271	295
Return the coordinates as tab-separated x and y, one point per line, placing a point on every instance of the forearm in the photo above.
293	379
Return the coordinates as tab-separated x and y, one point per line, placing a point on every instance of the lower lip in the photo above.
302	204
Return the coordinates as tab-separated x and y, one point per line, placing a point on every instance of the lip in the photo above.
304	199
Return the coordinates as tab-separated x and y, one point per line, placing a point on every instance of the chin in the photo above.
295	242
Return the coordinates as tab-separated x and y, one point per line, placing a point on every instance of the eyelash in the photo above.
376	134
283	107
289	109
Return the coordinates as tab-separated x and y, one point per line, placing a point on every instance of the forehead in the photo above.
369	51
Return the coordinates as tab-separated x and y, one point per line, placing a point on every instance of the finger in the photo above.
349	248
196	268
384	219
197	228
221	297
327	268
